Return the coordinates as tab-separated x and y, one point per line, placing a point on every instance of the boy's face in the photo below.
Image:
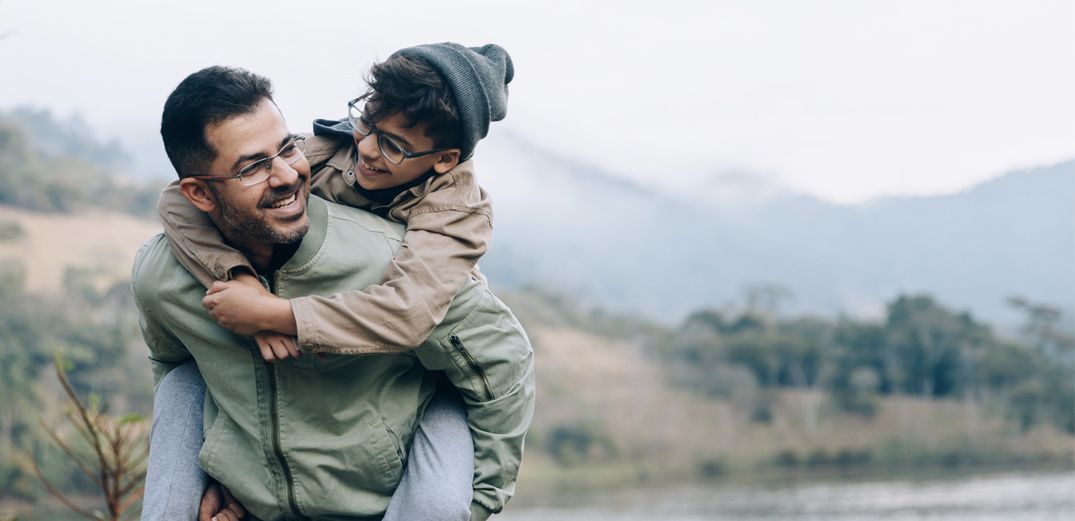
377	173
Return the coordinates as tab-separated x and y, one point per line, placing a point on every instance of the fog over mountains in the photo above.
569	227
566	226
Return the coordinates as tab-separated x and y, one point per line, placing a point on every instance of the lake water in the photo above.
1029	496
1012	496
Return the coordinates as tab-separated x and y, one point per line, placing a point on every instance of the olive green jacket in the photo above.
327	438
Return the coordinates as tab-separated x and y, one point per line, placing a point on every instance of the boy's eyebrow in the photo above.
389	134
258	155
398	138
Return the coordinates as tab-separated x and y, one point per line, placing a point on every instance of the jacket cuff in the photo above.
306	340
478	512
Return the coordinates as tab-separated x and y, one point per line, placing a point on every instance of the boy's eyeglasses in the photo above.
392	151
259	171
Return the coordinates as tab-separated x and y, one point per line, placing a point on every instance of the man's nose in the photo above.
283	174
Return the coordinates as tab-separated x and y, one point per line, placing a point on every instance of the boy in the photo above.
424	112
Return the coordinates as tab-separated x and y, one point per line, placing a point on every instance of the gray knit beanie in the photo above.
478	78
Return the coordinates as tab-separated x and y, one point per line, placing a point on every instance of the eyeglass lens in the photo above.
259	170
391	150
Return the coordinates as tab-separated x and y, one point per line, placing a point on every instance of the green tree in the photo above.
23	357
931	344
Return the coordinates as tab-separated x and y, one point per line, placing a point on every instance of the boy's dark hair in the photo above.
412	88
209	96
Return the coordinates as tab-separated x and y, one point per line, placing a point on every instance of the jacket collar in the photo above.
314	239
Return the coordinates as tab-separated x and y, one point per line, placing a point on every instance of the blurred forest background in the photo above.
636	386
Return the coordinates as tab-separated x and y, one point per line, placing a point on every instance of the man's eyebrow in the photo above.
259	155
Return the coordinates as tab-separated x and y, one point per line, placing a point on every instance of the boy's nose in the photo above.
367	149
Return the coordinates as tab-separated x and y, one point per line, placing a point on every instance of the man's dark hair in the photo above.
209	96
409	86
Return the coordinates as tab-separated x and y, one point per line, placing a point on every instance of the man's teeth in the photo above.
371	167
283	202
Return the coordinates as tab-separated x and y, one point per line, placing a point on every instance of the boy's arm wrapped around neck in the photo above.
447	232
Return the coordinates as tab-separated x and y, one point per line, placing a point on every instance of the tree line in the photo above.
919	348
49	166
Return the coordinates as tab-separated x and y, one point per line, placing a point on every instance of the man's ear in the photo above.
198	194
446	161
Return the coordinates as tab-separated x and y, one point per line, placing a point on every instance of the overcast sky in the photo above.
846	100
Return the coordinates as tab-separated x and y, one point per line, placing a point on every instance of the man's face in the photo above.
375	172
269	213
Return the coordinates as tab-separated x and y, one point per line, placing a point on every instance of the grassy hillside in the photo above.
610	414
98	241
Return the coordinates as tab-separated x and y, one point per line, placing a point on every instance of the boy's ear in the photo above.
198	194
446	161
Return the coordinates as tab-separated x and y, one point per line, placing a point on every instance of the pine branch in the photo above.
70	391
70	452
135	496
118	444
59	495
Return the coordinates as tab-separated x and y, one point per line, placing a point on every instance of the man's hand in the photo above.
275	346
219	505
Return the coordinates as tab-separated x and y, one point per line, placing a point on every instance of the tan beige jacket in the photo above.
449	225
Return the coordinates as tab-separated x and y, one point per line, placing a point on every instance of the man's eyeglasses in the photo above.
392	151
259	171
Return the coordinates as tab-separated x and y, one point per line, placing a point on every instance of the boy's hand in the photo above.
219	505
238	306
275	346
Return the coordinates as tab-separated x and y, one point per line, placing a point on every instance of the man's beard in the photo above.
246	228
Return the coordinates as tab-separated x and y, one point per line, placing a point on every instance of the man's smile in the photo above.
285	207
284	202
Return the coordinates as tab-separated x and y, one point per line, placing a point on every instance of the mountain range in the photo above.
569	227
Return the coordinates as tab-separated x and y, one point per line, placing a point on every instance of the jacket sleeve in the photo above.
166	352
440	249
195	240
488	358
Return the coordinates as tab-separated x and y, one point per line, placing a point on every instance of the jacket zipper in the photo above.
458	345
274	416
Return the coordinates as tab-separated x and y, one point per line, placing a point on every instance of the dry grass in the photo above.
660	430
104	242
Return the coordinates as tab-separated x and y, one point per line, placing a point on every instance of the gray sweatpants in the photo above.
436	482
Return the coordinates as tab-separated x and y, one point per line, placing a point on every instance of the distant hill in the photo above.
567	226
52	136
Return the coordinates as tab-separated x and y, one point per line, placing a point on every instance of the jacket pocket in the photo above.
469	363
386	443
488	349
229	459
354	472
213	438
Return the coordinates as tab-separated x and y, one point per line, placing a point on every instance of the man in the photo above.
310	437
